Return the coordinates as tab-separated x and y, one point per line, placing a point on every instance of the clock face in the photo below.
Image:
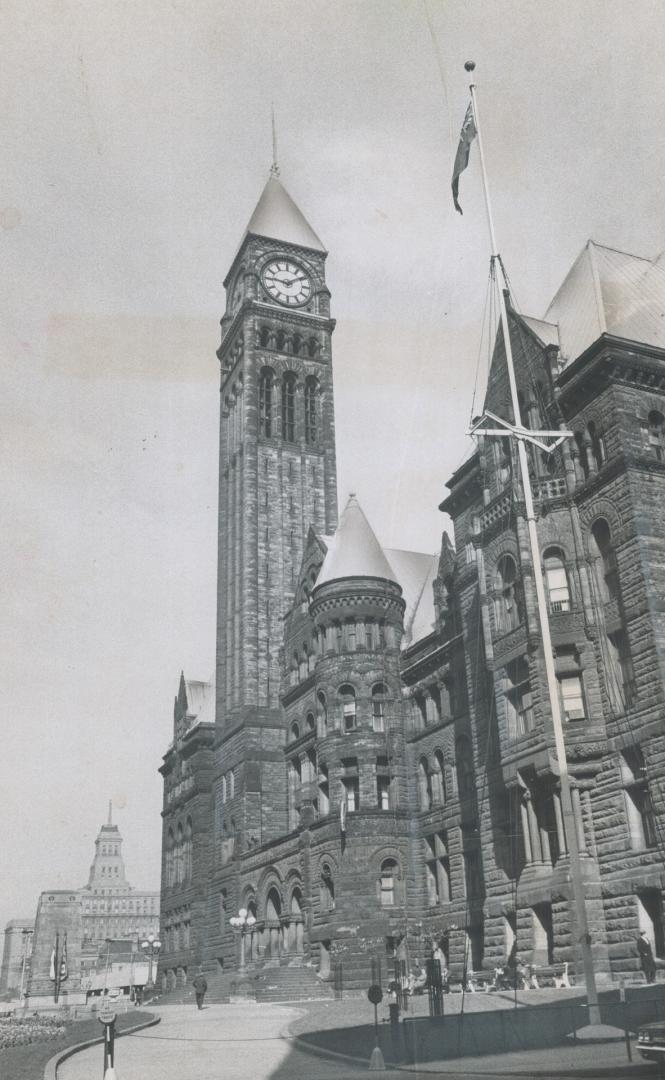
287	282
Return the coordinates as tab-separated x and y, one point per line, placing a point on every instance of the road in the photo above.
250	1042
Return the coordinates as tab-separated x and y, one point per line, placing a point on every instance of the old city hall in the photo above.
371	771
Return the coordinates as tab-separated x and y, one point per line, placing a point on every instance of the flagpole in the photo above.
568	813
56	967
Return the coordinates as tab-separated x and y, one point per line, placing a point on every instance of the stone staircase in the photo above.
290	984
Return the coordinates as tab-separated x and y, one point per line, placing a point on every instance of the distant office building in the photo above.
16	956
110	906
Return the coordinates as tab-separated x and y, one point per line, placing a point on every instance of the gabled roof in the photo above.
609	292
354	550
277	217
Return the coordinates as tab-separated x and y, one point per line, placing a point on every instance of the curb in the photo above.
612	1072
51	1067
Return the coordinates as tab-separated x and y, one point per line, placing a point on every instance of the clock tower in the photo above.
277	477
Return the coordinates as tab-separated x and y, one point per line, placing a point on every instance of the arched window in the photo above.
273	906
311	402
289	407
266	383
379	696
323	712
388	883
296	344
464	761
424	785
507	604
309	721
264	337
327	889
280	341
556	580
438	790
312	347
295	731
347	698
232	784
657	434
605	560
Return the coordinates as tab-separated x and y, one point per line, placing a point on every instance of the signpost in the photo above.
376	1062
107	1016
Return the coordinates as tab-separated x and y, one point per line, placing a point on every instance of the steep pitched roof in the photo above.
277	217
415	572
354	550
609	292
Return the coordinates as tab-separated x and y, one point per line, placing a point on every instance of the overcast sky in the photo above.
136	141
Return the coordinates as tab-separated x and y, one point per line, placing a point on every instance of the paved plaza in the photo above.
254	1042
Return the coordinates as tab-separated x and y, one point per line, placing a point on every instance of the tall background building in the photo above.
372	769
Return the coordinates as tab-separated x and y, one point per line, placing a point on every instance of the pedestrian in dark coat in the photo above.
646	957
200	986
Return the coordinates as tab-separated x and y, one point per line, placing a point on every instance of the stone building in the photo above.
372	769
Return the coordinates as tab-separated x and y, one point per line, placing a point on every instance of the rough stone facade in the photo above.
378	773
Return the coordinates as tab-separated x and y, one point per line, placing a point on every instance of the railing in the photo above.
545	490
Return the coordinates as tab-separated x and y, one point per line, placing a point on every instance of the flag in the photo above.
64	971
466	137
51	973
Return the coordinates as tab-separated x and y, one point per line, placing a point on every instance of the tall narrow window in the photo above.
507	603
323	713
657	434
556	579
639	806
519	700
266	381
347	698
379	694
387	883
621	685
350	784
572	696
605	560
311	398
327	891
289	407
464	761
597	448
424	785
383	783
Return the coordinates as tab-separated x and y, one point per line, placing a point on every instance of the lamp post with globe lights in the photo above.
151	947
242	922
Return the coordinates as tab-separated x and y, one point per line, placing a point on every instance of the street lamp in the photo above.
151	947
242	922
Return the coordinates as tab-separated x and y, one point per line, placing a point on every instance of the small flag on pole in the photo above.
466	137
51	973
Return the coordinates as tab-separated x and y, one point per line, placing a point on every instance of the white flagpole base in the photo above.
376	1062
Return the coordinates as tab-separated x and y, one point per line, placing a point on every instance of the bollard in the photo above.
376	1062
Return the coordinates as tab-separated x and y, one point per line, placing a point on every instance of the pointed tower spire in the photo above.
110	821
355	550
274	168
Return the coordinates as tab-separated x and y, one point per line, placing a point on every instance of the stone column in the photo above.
534	831
558	817
579	821
525	829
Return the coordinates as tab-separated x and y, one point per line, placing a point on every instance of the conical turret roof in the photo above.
355	550
277	216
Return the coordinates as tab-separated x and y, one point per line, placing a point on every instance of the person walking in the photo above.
646	957
200	986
